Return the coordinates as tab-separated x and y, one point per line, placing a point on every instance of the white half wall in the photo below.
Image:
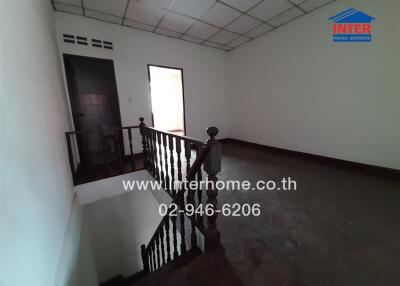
294	88
39	221
204	71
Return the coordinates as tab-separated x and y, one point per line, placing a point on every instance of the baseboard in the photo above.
371	169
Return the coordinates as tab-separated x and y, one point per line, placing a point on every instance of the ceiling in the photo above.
221	24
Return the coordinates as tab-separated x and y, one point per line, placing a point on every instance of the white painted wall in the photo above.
39	218
295	89
85	270
204	71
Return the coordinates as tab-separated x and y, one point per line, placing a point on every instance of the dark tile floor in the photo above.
340	227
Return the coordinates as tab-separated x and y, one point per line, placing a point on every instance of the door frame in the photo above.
183	92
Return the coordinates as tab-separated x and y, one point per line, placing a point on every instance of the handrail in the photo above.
193	170
96	130
78	148
186	138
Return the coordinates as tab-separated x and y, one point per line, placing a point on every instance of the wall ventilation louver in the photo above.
96	43
72	39
69	38
108	45
81	40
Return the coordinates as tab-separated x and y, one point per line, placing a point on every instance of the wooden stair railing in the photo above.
160	160
85	169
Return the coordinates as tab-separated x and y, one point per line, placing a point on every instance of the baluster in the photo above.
190	198
85	139
103	152
149	259
167	178
151	265
131	148
199	190
154	139
154	254
71	157
158	250
151	166
171	158
162	245
212	165
188	154
149	141
174	239
159	158
142	133
145	258
147	159
152	257
167	233
118	148
182	223
178	144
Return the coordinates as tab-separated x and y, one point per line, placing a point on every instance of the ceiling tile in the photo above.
138	25
176	22
297	2
191	39
211	44
70	2
114	7
226	48
102	16
193	8
147	14
168	33
238	41
286	17
243	24
220	15
258	31
68	8
165	4
242	5
271	8
201	30
310	5
223	37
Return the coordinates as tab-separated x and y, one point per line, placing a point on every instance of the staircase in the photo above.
183	235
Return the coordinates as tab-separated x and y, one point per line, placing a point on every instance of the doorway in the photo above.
93	96
167	99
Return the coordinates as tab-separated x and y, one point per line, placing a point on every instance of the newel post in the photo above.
212	166
141	125
145	259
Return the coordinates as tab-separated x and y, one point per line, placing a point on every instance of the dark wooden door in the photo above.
94	102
